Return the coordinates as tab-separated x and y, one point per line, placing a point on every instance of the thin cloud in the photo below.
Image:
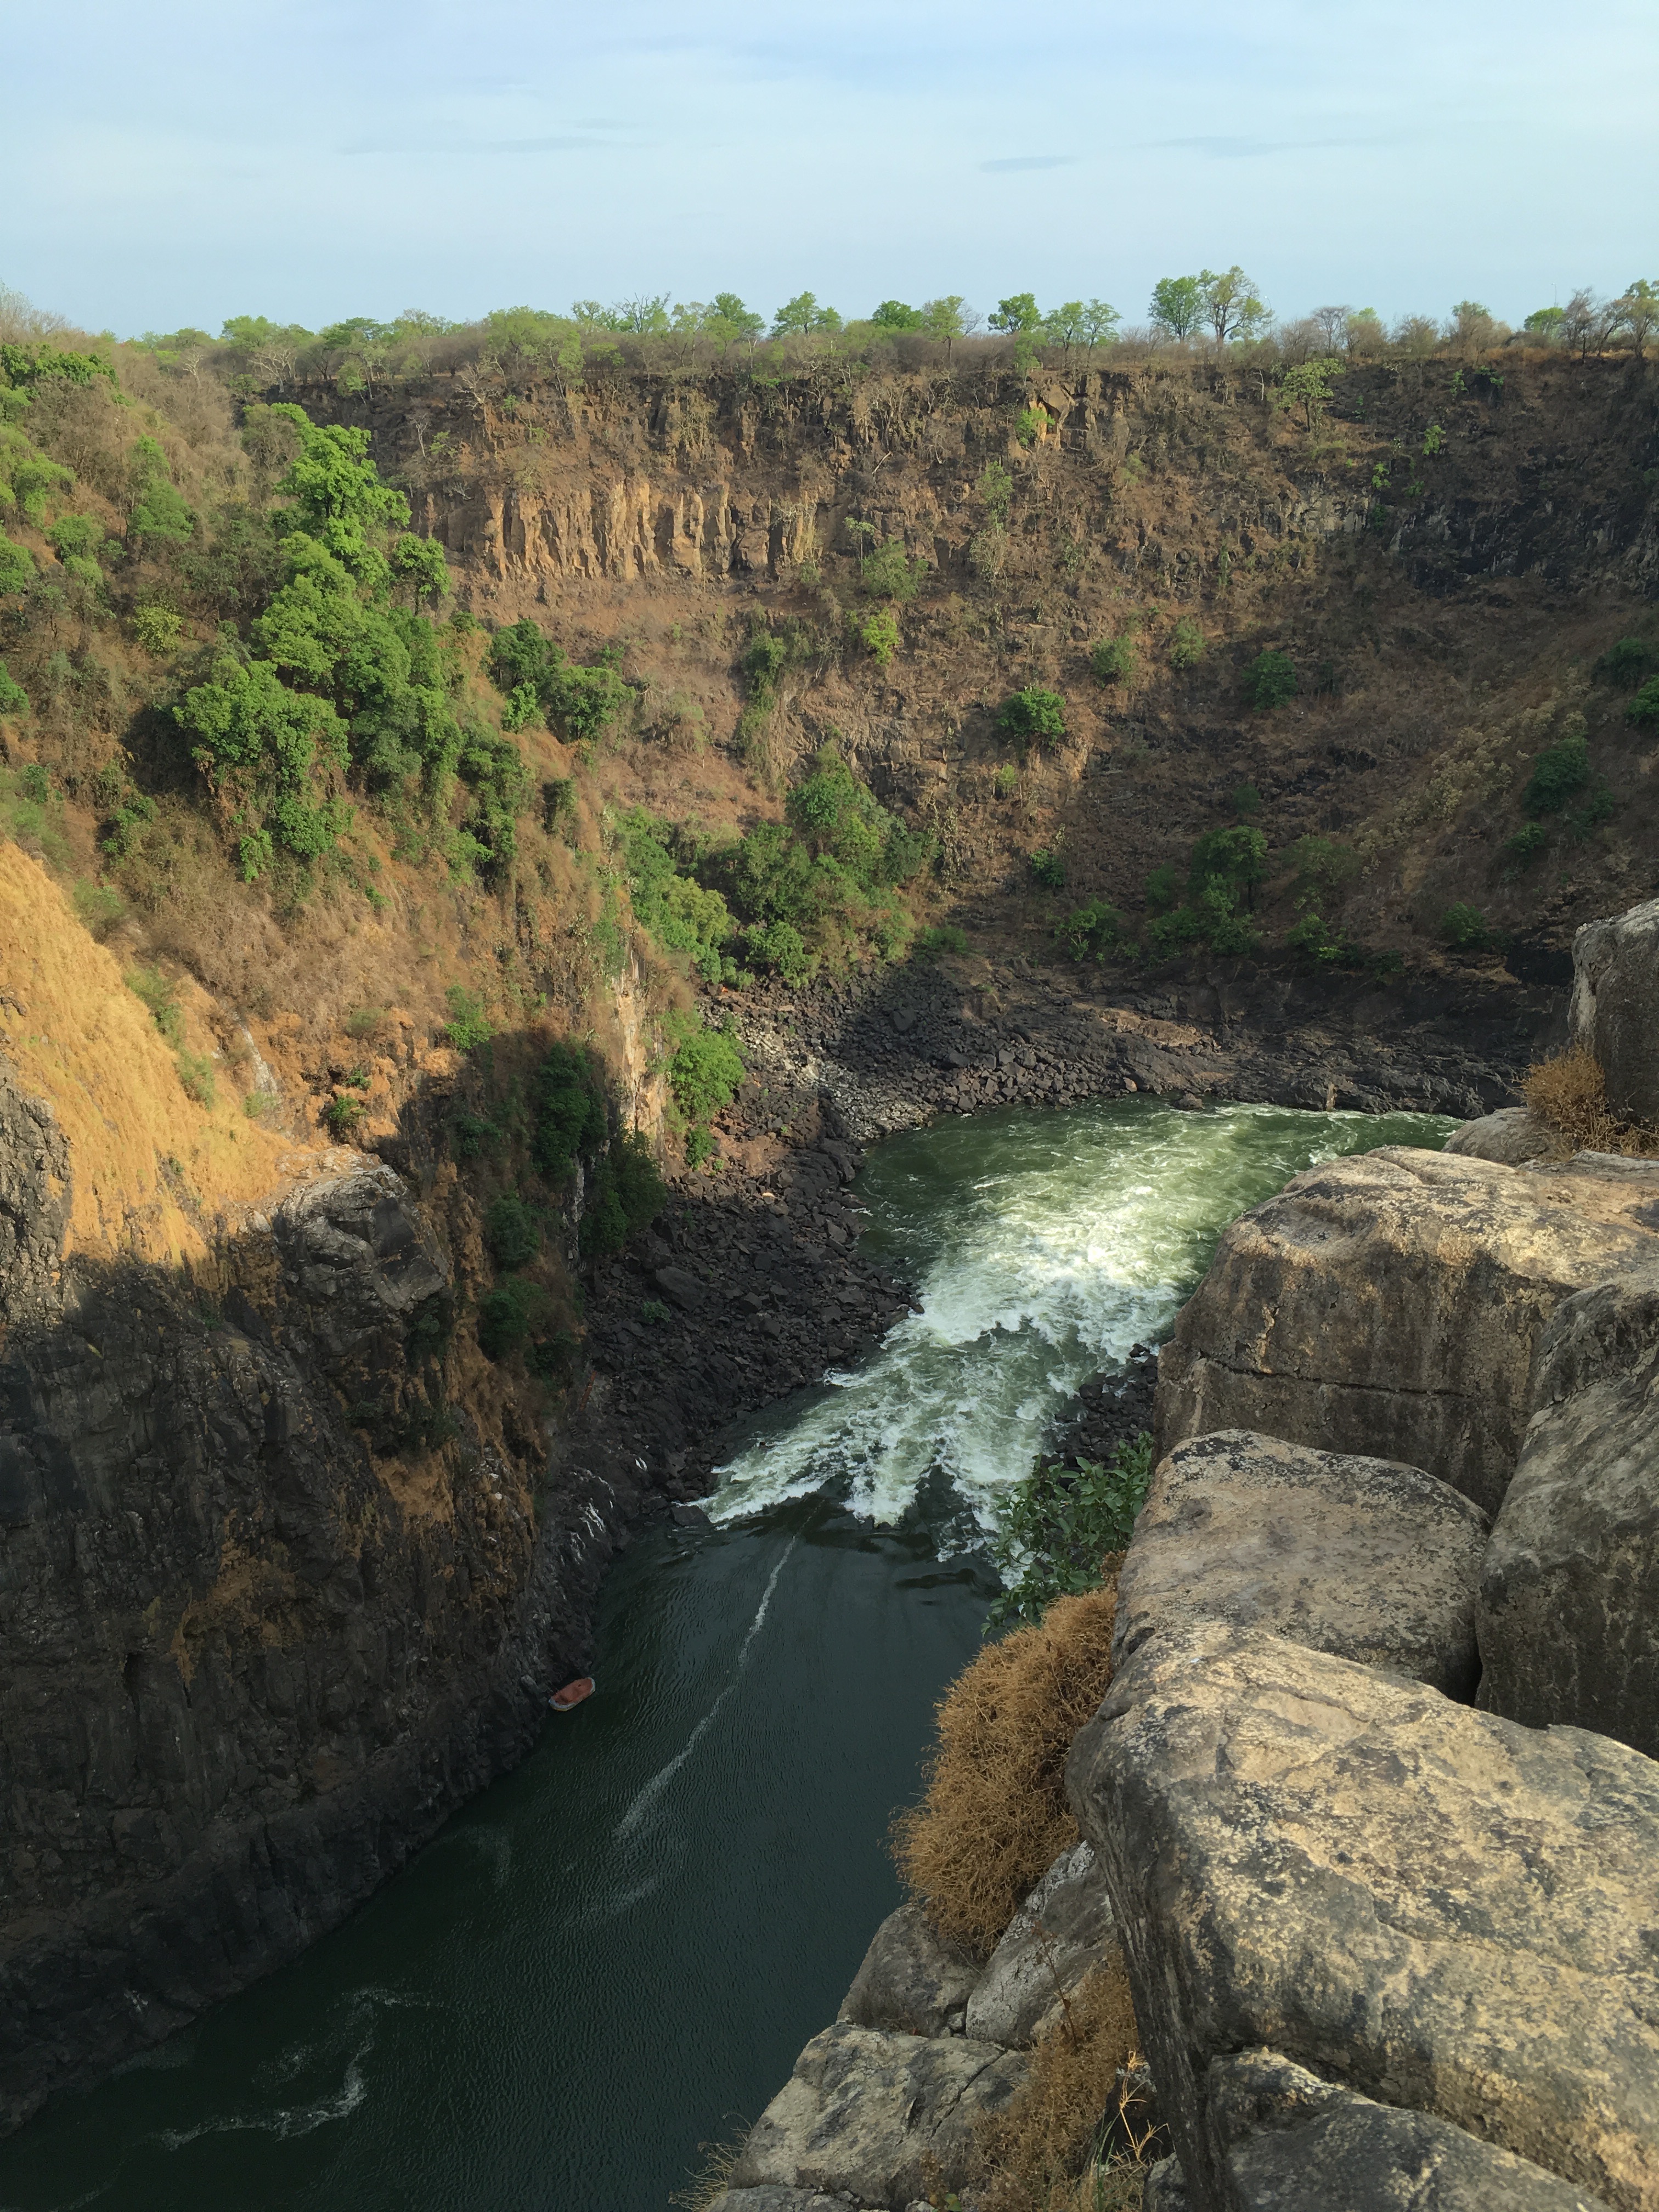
1250	149
1030	161
562	142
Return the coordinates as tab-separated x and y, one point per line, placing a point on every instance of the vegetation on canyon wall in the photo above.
531	684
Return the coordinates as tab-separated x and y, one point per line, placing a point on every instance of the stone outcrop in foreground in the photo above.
1569	1601
1434	1908
1390	1306
1615	1006
1362	1558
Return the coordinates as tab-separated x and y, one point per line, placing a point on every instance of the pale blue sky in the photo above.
176	161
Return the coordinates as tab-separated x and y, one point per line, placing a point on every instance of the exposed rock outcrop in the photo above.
878	2120
1059	1936
1362	1558
914	1980
1436	1908
1390	1306
1512	1136
1569	1601
1615	1006
1284	2140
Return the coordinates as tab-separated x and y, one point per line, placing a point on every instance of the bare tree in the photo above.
1333	326
22	321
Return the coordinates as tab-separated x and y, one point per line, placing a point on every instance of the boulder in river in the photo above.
1061	1933
913	1978
1364	1557
1390	1305
880	2119
1452	1914
1569	1601
1615	1006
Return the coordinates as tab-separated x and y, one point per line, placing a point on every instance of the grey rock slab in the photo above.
1512	1136
878	2118
913	1978
1568	1617
1165	2188
1443	1908
357	1251
1286	2142
1365	1557
775	2200
1060	1934
1614	1012
1390	1305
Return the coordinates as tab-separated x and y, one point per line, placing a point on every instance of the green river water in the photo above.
617	1952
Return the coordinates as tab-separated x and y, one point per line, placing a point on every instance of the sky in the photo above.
176	161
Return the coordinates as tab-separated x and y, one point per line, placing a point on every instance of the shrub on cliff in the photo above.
1557	773
1032	717
995	1817
511	1232
1061	1523
1270	681
569	1117
1626	663
1644	709
626	1195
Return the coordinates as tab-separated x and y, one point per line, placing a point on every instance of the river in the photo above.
616	1953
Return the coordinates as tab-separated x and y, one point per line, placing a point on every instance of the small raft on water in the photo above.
566	1699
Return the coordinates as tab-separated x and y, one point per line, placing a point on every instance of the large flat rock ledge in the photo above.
1569	1602
1364	1557
1437	1909
1390	1305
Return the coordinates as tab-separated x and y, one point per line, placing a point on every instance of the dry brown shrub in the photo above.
1075	2137
995	1817
1569	1091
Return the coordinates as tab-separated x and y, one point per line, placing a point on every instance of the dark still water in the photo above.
617	1952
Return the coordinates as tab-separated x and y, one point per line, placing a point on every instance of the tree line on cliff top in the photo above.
1214	312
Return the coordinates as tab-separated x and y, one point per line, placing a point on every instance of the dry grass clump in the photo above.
1078	2136
995	1817
1569	1091
713	2176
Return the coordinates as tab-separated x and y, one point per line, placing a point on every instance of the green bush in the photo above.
889	572
625	1193
568	1120
151	985
1006	780
704	1068
1314	941
511	1232
468	1025
679	912
14	699
1164	887
1627	662
196	1073
343	1115
1033	718
1644	709
1060	1524
1270	681
1321	867
878	634
1048	869
1114	659
1187	644
779	946
1558	771
944	937
98	907
1526	844
1096	928
509	1314
157	629
1237	857
698	1146
1465	927
654	1314
16	565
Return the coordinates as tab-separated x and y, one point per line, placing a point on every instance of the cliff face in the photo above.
246	1664
1441	556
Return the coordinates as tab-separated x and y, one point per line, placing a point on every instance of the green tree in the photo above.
1230	305
945	320
731	323
893	315
646	315
270	755
1636	310
1020	316
1177	305
803	317
158	511
419	563
1307	385
1063	326
1544	323
1099	324
1270	681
